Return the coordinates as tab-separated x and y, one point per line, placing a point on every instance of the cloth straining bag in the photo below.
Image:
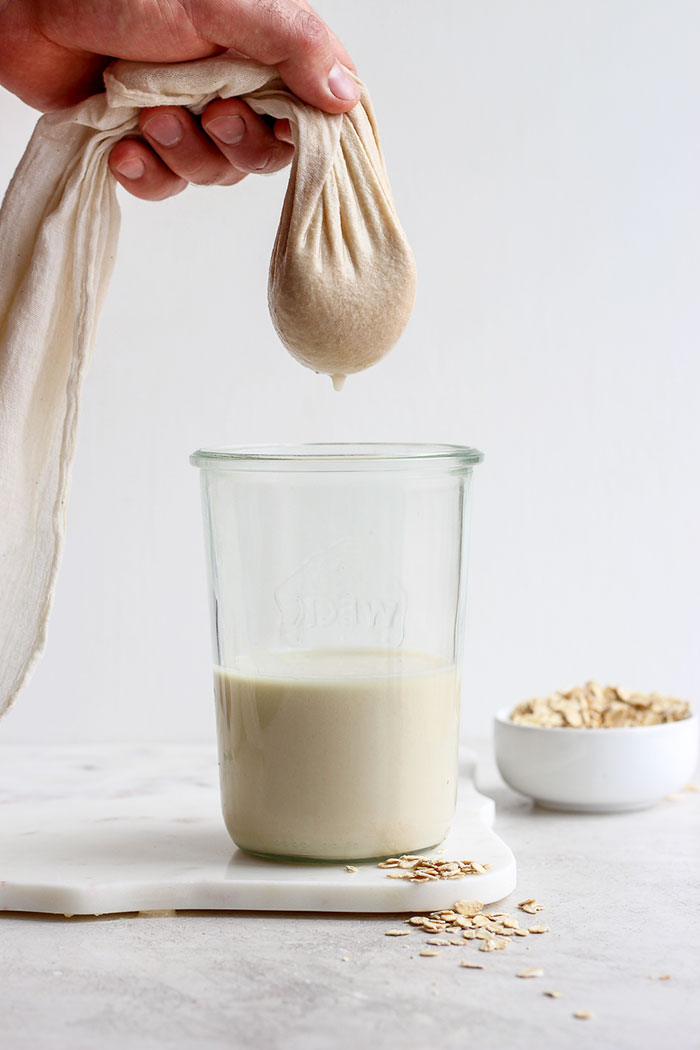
341	288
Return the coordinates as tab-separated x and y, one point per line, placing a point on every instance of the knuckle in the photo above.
311	33
263	160
208	180
171	190
225	107
233	178
203	174
274	16
278	159
127	147
153	111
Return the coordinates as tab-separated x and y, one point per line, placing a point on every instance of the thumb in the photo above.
281	33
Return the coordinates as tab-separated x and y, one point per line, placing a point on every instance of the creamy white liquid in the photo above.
338	755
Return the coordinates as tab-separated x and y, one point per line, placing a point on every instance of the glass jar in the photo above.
337	577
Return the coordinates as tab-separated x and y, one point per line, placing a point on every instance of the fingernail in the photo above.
264	163
283	132
342	85
165	129
131	168
227	129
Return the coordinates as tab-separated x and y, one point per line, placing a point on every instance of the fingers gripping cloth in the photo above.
341	289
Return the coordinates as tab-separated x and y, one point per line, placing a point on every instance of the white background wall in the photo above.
545	159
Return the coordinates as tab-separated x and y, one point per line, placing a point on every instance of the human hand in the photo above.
53	53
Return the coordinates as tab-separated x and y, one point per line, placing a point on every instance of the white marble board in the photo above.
141	831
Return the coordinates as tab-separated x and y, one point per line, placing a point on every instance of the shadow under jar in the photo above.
337	577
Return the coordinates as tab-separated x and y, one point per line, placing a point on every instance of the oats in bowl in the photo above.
636	748
595	706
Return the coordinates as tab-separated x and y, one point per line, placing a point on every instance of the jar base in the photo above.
292	858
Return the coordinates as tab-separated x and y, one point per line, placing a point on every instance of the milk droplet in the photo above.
338	381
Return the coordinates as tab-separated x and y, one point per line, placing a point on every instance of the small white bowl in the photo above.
596	770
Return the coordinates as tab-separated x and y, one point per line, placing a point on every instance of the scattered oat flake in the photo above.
492	930
691	786
675	796
509	921
531	906
345	958
468	908
425	869
583	1015
351	868
471	965
552	995
665	977
493	944
534	972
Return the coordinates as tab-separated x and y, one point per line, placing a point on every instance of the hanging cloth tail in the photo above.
59	226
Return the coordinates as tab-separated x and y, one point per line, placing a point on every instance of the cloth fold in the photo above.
341	288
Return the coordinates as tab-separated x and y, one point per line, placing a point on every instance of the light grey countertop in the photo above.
621	895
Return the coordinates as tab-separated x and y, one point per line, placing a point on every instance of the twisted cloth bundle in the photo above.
341	288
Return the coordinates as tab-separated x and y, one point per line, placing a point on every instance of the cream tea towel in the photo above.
341	289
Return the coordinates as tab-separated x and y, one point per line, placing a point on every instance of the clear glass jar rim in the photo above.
340	456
